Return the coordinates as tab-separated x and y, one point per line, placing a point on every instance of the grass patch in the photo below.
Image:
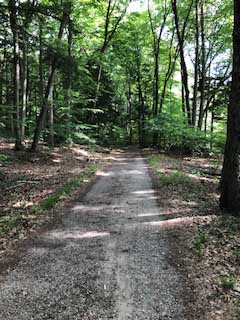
176	178
66	190
228	282
8	223
5	158
200	242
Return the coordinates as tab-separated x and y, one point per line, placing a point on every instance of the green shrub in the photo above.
177	178
228	282
200	243
175	135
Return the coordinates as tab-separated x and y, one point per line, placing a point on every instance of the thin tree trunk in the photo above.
212	129
129	97
49	88
69	80
16	62
184	72
157	37
108	35
140	108
170	71
25	90
51	120
40	58
203	64
196	64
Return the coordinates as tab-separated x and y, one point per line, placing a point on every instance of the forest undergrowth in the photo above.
36	185
206	241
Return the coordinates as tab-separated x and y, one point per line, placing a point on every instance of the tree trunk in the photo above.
69	79
25	90
51	120
108	35
170	71
212	129
230	182
196	64
184	72
16	63
40	58
203	65
49	88
155	93
129	97
140	110
157	37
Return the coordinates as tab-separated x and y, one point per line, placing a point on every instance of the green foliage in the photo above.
176	135
7	223
236	253
5	158
228	282
175	178
200	242
66	190
123	110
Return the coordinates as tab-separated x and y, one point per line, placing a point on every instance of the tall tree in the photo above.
203	66
230	182
157	31
110	28
12	6
52	73
196	65
184	71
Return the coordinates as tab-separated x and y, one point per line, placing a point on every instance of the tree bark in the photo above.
49	88
184	72
203	66
196	65
25	90
156	51
230	182
16	62
169	73
108	35
51	120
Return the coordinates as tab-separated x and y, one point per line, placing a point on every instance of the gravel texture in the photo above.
105	260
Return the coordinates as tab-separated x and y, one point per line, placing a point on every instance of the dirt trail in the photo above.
106	260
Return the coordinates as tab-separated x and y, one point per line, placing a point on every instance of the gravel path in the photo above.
106	260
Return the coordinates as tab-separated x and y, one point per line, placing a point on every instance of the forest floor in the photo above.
209	242
131	247
33	187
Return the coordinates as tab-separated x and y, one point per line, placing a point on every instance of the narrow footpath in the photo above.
105	260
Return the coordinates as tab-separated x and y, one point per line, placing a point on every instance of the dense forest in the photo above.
120	159
116	72
154	73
